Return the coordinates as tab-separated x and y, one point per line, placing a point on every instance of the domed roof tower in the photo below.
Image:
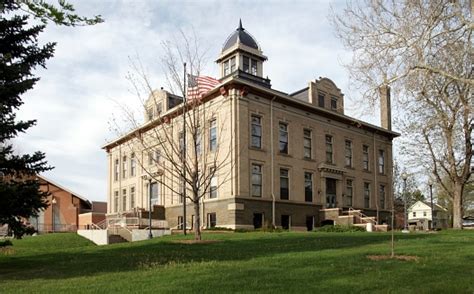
242	37
242	56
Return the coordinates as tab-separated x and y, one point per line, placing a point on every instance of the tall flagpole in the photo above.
183	152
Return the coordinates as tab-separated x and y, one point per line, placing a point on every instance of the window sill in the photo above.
257	149
308	159
284	154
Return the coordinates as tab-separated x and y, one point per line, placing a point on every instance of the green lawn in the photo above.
242	262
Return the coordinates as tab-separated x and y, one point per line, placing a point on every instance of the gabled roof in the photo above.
428	205
65	189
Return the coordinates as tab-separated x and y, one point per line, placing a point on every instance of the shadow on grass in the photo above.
91	260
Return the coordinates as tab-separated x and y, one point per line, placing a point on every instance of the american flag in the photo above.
200	85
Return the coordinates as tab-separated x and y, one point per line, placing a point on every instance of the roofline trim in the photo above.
65	189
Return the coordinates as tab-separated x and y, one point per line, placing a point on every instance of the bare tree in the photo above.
174	156
424	49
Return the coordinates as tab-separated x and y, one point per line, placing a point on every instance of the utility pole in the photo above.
430	183
183	151
405	226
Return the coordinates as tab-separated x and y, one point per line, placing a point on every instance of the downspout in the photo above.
271	162
375	181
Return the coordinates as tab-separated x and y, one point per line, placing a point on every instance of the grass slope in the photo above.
242	262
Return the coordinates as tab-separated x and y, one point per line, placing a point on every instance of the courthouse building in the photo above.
296	160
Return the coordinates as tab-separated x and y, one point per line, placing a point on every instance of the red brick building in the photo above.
62	215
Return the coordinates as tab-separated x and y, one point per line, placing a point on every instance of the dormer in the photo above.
159	102
322	93
241	52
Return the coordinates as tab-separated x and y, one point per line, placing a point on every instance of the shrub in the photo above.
339	229
5	243
218	229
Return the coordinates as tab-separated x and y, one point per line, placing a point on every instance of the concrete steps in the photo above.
116	239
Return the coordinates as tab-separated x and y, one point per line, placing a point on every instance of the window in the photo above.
329	153
154	194
256	130
211	220
307	143
180	223
257	220
157	156
256	180
226	67
365	157
285	222
124	199
246	64
254	67
159	108
308	187
321	100
132	197
116	170
198	142
212	135
150	158
133	165
213	184
414	213
424	213
181	191
149	113
232	64
284	184
333	103
349	192
348	153
182	148
283	137
116	201
124	167
381	161
366	195
382	196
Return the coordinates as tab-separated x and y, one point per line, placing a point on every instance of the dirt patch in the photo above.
7	250
398	257
196	241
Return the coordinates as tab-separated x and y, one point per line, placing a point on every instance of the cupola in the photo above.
241	53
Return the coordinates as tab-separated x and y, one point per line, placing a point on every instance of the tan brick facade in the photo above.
301	150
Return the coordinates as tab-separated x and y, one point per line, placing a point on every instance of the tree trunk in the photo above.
197	221
457	205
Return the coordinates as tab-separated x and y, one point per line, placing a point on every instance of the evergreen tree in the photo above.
20	54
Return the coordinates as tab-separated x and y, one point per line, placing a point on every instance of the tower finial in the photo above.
240	28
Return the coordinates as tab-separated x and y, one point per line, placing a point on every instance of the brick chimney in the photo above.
385	107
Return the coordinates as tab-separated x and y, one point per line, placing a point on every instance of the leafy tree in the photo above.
444	200
20	54
424	50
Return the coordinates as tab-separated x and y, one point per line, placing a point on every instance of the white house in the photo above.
419	215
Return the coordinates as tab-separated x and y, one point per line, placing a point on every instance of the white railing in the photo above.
180	227
363	218
4	230
155	223
123	232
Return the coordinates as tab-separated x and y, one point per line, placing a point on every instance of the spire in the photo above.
240	28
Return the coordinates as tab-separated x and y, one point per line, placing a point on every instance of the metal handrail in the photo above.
362	216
